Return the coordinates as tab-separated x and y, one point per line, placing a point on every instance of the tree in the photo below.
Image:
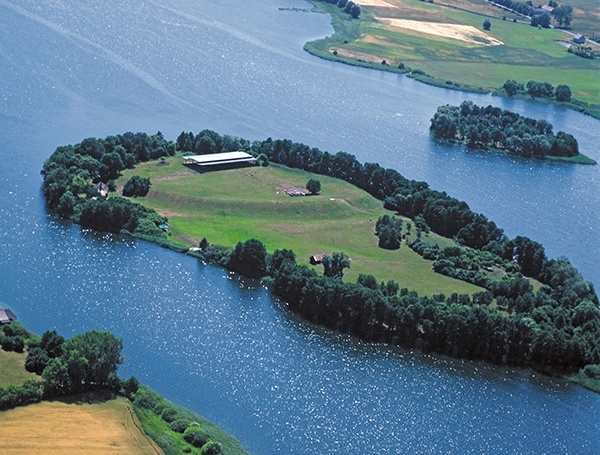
563	93
487	24
335	264
52	343
511	87
249	259
86	360
136	186
314	186
36	361
563	15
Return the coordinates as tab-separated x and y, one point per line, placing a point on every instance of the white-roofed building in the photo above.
218	159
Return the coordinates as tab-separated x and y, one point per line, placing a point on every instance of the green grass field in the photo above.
234	205
526	53
12	369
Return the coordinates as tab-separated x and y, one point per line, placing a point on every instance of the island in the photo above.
492	128
482	295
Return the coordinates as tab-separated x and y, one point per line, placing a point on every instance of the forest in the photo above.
495	128
535	311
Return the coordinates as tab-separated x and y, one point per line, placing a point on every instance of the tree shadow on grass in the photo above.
94	397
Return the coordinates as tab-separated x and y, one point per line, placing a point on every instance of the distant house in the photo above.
579	39
548	9
102	188
6	316
316	258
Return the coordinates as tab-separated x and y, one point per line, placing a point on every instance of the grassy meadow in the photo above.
94	423
234	205
446	40
12	369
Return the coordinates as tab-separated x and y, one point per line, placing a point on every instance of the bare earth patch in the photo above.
375	3
464	33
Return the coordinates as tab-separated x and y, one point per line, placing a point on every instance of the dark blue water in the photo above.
225	348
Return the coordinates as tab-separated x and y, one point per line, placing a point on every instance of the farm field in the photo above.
234	205
446	41
98	423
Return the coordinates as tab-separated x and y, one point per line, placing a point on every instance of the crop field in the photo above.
235	205
446	40
90	424
12	369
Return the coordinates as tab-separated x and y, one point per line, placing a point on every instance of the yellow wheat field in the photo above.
85	424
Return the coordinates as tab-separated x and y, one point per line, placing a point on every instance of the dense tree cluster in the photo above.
389	230
249	259
493	127
349	7
524	8
537	89
71	172
86	362
136	186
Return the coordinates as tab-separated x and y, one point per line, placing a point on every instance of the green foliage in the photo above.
389	231
314	186
87	360
179	425
492	127
335	264
136	186
249	259
29	392
36	360
196	436
487	24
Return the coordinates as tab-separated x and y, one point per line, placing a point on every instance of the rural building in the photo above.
102	188
230	159
316	258
579	39
6	316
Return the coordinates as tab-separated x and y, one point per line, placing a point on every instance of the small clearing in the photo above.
466	33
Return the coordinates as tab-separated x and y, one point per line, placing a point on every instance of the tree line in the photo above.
349	7
493	127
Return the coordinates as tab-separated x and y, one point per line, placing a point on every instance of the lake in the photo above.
223	347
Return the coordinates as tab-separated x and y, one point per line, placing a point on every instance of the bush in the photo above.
136	186
145	398
211	448
36	361
592	371
180	425
196	436
169	414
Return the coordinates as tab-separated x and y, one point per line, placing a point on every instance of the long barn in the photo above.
219	159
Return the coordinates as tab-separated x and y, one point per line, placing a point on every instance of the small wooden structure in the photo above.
579	39
6	316
316	258
102	188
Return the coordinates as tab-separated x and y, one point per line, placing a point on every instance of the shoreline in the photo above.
315	48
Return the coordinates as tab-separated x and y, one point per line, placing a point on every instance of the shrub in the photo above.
145	398
180	425
196	436
211	448
592	371
136	186
169	414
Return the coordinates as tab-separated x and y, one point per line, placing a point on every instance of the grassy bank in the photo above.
445	45
234	205
12	369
